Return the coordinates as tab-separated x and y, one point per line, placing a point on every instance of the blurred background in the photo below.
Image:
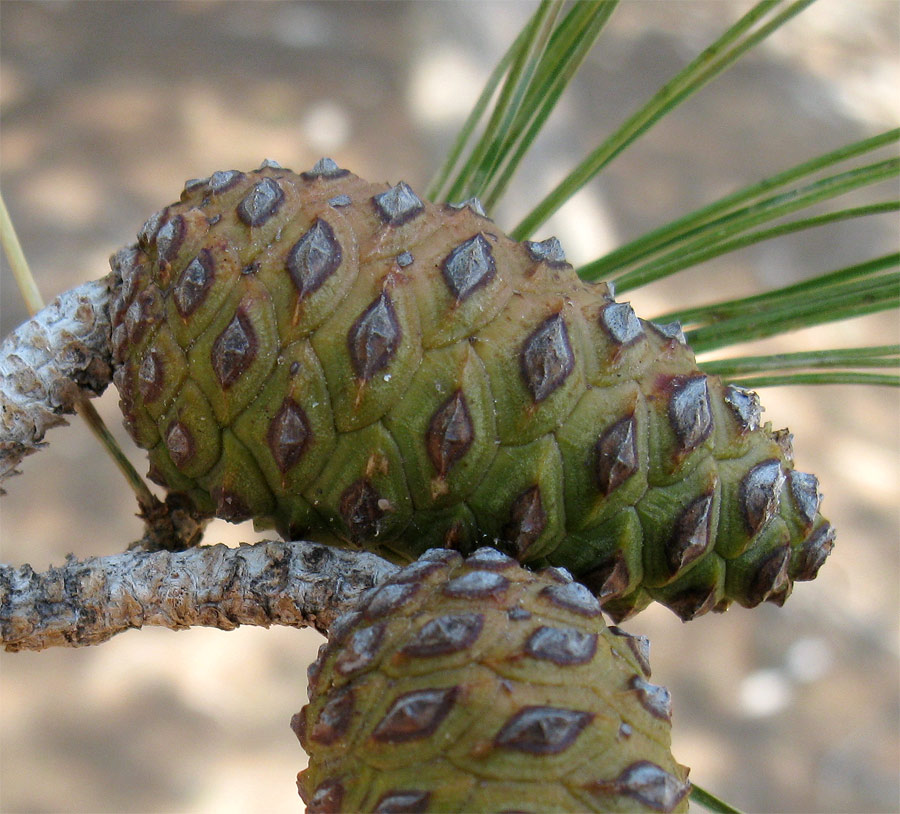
108	107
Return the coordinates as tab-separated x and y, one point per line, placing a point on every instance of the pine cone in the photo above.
475	685
346	362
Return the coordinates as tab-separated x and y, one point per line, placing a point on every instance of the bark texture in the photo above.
44	365
298	584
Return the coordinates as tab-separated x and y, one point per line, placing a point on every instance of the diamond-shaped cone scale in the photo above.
446	425
475	685
346	361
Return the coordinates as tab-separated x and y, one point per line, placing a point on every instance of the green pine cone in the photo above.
346	362
475	685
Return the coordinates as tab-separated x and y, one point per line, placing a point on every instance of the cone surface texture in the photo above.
475	685
346	362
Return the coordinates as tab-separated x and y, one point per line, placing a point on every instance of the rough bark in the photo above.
298	584
44	365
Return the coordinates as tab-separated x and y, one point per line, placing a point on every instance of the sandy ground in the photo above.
108	107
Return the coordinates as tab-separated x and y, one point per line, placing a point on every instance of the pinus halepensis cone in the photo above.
347	362
475	685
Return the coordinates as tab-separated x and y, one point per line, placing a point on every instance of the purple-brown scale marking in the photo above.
549	251
563	646
417	571
151	226
527	520
169	239
693	602
334	718
610	578
655	699
314	258
230	505
745	405
542	730
450	433
194	284
813	552
489	559
805	495
546	358
771	577
445	634
260	203
388	598
180	443
358	506
360	649
142	314
324	168
638	645
621	323
648	784
327	798
759	493
289	434
561	575
476	585
468	267
689	411
691	535
402	802
374	338
415	715
398	204
574	597
234	349
151	377
616	455
223	180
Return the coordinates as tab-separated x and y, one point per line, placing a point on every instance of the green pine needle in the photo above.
798	292
742	201
844	301
435	190
838	377
702	251
540	65
570	45
835	366
733	44
507	105
710	802
879	356
720	235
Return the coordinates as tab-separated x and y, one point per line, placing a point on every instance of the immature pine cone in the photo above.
479	686
349	363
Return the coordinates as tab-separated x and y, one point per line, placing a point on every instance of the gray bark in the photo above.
62	351
85	602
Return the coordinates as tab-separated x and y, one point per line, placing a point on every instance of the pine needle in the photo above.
718	212
726	50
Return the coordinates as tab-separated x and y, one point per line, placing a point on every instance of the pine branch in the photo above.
44	365
299	584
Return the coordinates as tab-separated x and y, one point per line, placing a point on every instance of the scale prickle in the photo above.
344	361
476	685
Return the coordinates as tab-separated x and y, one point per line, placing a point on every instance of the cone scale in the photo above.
476	685
344	361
